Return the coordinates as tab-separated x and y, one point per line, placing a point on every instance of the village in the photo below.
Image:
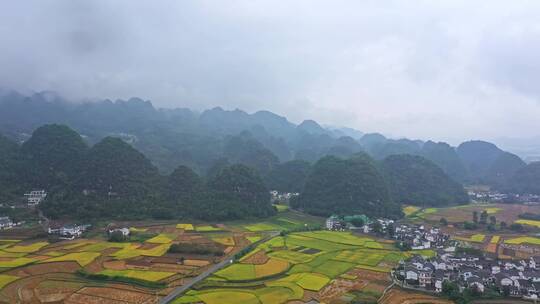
463	267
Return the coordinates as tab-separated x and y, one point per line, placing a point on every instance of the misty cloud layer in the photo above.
448	70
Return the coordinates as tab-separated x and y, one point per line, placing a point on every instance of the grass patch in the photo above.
152	276
82	258
426	253
281	208
6	279
495	239
27	248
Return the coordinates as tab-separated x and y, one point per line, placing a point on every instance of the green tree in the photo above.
483	217
503	224
443	221
475	217
493	220
377	227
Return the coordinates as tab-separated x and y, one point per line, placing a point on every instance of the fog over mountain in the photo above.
445	70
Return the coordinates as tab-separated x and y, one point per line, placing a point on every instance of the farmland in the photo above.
300	266
80	270
457	214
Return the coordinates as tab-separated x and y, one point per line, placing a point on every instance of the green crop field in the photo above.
16	262
207	229
299	262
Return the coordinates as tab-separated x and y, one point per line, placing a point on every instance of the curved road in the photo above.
181	289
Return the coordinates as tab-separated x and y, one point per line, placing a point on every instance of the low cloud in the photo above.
448	70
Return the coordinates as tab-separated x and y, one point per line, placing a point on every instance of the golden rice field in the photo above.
523	240
27	248
82	258
187	227
528	222
475	238
495	239
161	238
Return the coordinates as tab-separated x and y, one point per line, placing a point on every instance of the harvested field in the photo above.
508	213
404	297
117	294
197	263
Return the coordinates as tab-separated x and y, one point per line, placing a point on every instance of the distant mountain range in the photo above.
263	140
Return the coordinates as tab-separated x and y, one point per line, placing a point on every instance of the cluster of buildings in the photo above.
470	271
339	223
35	197
66	231
418	237
276	197
499	197
7	223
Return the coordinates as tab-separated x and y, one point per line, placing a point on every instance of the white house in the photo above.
6	222
35	197
124	231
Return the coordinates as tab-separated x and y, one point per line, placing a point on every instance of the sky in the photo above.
446	70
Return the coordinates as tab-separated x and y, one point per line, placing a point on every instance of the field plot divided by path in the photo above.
309	262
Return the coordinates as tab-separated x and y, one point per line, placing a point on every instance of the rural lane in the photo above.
181	289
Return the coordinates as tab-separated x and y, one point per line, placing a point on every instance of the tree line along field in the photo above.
301	266
94	270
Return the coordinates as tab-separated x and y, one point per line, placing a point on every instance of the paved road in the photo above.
181	289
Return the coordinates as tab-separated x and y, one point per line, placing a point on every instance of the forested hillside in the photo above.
113	179
208	141
415	180
347	186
